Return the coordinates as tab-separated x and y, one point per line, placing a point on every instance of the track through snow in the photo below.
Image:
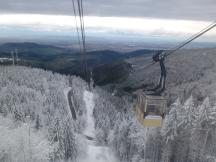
68	94
94	153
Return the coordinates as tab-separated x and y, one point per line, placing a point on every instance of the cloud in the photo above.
166	9
105	25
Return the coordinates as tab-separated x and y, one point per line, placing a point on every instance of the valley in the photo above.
71	62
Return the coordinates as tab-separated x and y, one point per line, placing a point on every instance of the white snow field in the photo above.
94	153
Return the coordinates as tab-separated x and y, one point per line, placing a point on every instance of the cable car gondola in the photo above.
150	109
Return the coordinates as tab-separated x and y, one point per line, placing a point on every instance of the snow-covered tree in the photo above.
170	129
170	126
20	142
40	95
187	114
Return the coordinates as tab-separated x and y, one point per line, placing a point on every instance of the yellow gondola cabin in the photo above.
150	110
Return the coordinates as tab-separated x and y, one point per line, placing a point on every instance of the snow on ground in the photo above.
98	154
89	101
94	153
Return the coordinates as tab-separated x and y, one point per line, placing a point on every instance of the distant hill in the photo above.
69	61
32	51
141	52
29	50
26	45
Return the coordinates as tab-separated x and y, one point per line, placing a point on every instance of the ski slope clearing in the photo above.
98	154
88	98
95	153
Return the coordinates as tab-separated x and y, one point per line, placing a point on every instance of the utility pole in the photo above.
16	53
91	80
13	58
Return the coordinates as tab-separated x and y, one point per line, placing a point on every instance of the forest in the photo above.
36	124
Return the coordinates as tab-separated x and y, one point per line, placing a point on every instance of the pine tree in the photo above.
200	131
212	116
187	114
204	111
169	129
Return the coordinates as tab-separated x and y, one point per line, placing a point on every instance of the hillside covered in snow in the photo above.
36	123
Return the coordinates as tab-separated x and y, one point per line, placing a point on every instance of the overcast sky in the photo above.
174	18
174	9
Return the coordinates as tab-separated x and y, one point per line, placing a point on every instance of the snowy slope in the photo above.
95	153
34	105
